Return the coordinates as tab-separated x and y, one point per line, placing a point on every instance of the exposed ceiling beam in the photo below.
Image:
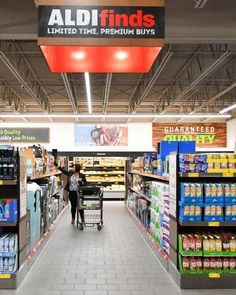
20	68
198	3
107	92
148	80
198	80
11	99
205	104
71	91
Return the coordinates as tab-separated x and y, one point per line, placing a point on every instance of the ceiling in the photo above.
195	72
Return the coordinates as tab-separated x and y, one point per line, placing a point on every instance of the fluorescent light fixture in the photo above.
88	91
228	109
121	55
107	116
80	55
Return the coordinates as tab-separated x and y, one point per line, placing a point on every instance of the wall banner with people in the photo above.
101	135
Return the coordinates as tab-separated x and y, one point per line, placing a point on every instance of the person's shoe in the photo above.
72	221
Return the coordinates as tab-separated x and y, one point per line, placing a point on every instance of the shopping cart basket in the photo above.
90	199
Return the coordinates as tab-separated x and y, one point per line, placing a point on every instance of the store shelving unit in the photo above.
111	176
15	189
199	279
160	253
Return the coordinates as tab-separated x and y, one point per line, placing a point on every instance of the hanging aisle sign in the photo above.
138	23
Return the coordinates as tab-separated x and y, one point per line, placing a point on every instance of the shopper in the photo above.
75	179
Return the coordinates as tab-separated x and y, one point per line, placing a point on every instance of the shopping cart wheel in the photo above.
81	227
99	227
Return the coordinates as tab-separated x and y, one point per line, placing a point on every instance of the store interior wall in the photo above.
139	137
231	134
62	137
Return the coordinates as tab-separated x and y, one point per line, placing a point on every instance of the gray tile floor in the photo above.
114	261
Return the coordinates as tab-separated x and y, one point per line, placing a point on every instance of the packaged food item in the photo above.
206	244
192	243
232	263
233	190
212	244
234	210
198	240
186	210
207	190
213	210
198	263
219	210
226	243
206	264
224	165
185	241
228	210
198	211
225	263
217	165
232	244
191	210
219	263
187	190
192	190
212	263
219	190
198	190
218	242
227	188
185	263
208	210
213	190
193	264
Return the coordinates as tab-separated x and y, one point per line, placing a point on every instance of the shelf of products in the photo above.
27	210
206	212
108	172
192	216
148	200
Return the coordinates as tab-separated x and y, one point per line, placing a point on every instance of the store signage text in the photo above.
205	134
101	22
24	135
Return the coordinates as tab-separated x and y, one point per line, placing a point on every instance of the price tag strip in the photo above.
213	275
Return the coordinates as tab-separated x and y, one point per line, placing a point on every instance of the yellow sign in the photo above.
213	224
1	182
193	174
5	276
213	275
228	174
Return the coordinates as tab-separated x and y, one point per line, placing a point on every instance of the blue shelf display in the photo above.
191	193
189	212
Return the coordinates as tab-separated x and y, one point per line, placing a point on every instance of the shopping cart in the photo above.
90	199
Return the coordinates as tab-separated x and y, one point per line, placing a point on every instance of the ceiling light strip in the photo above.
228	109
213	116
88	91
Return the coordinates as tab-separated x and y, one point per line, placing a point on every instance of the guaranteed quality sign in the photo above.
205	134
101	22
24	135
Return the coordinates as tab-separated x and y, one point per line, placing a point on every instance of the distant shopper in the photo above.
75	179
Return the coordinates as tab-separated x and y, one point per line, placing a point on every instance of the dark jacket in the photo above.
82	182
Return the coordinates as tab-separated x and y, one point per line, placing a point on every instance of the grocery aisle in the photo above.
115	261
